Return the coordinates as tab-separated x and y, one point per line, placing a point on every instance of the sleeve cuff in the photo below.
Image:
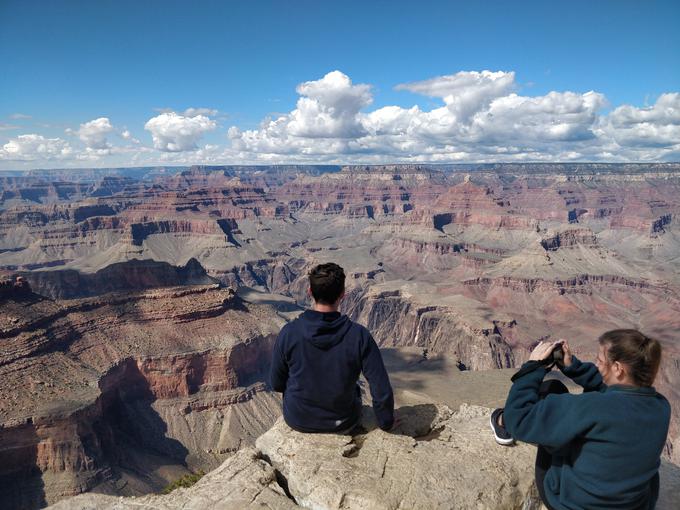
573	368
528	368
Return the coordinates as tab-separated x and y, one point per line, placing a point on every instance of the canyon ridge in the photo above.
139	306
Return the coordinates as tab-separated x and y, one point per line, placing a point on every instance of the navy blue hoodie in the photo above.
316	363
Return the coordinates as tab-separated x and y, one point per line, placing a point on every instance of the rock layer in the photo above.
114	391
245	481
397	318
475	262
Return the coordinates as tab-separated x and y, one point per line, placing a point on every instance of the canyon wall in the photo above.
396	320
126	392
473	264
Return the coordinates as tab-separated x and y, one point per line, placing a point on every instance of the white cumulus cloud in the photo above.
326	120
481	119
172	132
127	136
555	117
328	108
93	133
34	147
478	116
465	92
653	126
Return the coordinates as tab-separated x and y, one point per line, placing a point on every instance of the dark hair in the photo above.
639	352
327	282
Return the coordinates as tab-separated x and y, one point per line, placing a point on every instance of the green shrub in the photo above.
185	481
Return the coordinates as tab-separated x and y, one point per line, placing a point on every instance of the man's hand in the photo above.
543	350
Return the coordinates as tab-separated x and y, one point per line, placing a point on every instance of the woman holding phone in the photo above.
601	448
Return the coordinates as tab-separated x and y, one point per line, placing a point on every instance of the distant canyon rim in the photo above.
139	306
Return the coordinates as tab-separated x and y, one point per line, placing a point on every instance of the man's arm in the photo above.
584	374
379	382
554	421
278	374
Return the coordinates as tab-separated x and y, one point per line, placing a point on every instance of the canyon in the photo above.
125	392
139	306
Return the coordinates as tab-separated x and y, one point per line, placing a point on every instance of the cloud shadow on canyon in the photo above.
408	370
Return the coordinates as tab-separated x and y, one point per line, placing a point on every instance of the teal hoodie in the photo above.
606	443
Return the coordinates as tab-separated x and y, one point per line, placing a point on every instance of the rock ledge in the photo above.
434	459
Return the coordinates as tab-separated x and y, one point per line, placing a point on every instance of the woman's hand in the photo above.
542	350
566	360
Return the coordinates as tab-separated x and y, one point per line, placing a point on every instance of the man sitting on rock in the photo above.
317	361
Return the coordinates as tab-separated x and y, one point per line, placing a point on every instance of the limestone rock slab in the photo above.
244	481
435	458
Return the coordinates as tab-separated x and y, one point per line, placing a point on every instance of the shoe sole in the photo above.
500	440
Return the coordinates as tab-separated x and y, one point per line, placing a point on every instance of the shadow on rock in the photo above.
421	421
128	410
670	486
21	483
399	361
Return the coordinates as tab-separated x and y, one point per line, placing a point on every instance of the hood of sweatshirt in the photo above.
324	329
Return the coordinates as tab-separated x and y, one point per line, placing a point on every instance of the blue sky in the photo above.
67	63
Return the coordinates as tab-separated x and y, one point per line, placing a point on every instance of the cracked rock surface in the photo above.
242	481
434	459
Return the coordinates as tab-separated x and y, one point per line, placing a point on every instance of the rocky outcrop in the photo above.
668	383
396	320
434	458
132	275
375	193
582	284
436	253
16	289
41	191
86	211
569	238
110	185
270	274
443	247
140	231
245	481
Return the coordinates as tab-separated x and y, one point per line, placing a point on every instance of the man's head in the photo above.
327	283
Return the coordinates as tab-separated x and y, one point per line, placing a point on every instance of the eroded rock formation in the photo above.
473	262
435	458
126	391
403	318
